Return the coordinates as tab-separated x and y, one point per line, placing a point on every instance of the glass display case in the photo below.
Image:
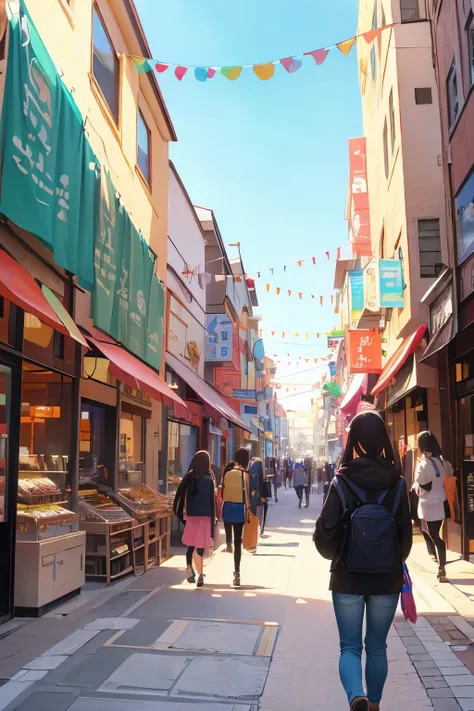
142	502
95	507
40	523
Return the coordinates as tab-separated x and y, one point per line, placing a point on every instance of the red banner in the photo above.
365	352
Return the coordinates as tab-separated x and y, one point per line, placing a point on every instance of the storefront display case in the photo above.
49	547
155	512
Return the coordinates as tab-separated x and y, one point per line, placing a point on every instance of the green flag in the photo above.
48	176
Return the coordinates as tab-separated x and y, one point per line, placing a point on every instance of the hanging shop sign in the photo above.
334	341
127	299
243	394
391	284
226	381
48	187
359	221
371	286
365	352
332	370
219	338
356	282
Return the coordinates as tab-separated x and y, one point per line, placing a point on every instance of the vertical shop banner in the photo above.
48	186
356	281
127	300
365	352
371	286
391	284
220	331
359	199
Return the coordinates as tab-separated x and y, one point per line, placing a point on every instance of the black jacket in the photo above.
195	497
372	476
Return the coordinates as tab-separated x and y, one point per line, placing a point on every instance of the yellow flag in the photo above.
346	46
264	71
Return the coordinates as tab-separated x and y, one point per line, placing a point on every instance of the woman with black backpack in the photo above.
365	529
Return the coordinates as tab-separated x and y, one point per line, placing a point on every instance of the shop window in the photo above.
453	95
4	320
465	219
143	148
45	438
105	65
385	149
429	242
182	446
132	449
5	394
409	10
97	445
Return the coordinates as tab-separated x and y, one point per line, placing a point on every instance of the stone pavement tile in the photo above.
463	692
72	643
446	705
460	680
26	675
218	637
47	701
445	693
48	662
467	704
111	623
223	677
146	672
449	672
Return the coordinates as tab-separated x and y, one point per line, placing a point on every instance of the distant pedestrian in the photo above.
235	497
431	472
194	506
366	509
256	499
299	482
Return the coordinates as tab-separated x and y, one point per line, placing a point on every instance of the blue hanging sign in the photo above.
391	284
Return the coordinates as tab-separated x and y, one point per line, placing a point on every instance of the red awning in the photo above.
18	286
131	371
396	361
205	392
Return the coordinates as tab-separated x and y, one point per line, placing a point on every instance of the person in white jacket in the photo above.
431	472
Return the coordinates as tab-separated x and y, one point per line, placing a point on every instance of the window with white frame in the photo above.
429	243
453	94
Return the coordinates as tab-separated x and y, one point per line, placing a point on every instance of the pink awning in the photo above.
409	346
204	391
131	371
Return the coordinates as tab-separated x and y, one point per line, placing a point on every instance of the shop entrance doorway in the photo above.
10	383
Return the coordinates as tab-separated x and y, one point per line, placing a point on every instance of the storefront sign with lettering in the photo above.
365	352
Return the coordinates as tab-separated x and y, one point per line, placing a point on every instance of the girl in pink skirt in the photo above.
194	505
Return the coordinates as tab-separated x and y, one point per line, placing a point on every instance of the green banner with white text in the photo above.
127	300
48	181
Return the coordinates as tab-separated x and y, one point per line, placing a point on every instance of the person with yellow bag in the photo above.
256	477
235	511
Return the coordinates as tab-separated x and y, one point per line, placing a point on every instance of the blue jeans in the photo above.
350	609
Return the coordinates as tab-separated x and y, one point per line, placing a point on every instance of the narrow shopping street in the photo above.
162	645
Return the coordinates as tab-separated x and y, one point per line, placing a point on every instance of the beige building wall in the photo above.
410	186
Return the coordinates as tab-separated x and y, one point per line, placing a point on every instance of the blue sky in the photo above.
270	158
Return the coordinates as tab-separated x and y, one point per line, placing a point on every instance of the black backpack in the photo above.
369	540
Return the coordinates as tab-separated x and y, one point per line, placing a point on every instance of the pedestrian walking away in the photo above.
235	497
433	507
366	509
256	498
194	505
299	482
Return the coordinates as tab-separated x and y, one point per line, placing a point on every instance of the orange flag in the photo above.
346	46
300	263
289	292
278	290
267	287
300	294
296	335
273	333
321	299
306	335
283	334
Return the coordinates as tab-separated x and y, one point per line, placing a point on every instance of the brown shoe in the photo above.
361	703
374	707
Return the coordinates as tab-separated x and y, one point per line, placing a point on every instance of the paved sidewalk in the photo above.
158	644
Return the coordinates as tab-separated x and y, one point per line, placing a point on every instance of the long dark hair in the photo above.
369	437
200	465
427	442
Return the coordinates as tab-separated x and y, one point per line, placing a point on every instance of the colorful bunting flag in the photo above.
263	70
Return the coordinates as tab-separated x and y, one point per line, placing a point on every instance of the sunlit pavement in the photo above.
159	644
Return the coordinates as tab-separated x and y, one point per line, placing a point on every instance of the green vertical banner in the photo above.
127	300
48	177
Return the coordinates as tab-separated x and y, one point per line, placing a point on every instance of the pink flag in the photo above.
160	68
211	72
319	55
180	72
371	35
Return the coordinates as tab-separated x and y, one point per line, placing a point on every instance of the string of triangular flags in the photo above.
295	334
263	71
